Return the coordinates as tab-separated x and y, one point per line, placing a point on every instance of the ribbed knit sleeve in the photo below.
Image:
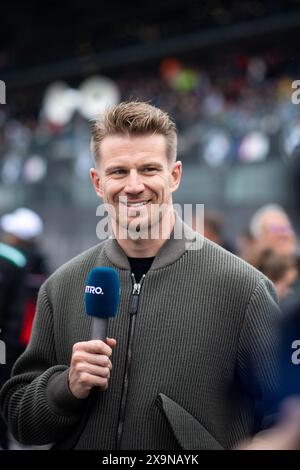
259	345
33	410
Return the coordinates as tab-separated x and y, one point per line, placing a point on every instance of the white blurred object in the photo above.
23	223
254	147
60	102
35	169
216	148
96	93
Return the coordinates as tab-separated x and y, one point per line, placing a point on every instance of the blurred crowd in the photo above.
238	95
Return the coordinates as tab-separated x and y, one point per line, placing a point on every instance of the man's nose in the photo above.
134	183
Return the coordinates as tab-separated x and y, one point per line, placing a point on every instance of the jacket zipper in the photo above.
133	309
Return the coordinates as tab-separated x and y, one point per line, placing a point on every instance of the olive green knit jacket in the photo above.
203	353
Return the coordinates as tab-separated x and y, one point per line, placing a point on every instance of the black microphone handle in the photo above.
99	328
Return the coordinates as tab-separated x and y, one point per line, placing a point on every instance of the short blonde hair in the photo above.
135	118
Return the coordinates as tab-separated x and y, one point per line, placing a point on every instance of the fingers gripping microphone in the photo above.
102	296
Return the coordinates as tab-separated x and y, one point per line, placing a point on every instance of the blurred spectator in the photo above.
281	270
271	229
22	270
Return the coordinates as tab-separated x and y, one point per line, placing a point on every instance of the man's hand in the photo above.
90	366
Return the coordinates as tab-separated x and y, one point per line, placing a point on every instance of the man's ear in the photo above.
175	176
96	181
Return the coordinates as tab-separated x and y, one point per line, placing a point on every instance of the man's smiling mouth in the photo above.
135	203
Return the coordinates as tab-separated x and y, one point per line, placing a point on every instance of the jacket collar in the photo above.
181	238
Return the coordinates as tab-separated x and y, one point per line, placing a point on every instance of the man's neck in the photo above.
146	247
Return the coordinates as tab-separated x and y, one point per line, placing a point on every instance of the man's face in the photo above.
278	234
134	179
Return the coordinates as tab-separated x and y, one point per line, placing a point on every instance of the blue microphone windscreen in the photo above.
102	293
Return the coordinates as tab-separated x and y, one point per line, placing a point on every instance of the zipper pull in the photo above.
134	299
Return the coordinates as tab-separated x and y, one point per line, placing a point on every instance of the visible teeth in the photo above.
136	204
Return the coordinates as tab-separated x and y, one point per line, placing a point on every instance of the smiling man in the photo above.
136	176
192	349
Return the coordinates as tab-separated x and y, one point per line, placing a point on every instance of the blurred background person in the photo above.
22	271
271	228
281	270
270	245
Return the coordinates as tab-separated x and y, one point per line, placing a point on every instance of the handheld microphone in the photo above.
102	297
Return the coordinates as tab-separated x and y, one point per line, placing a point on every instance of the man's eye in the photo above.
119	172
149	169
